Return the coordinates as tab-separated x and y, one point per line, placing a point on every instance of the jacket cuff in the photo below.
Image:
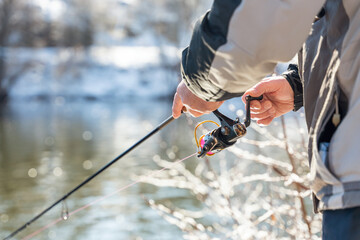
293	78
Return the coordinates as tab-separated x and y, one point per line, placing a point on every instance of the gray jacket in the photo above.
237	43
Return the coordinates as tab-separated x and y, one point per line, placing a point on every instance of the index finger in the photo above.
177	106
254	104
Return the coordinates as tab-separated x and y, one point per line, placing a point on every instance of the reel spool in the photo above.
204	138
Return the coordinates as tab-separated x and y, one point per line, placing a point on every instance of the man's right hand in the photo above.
278	99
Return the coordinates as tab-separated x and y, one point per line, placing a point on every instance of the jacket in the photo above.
237	43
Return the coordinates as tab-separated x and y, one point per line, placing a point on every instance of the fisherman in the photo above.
237	43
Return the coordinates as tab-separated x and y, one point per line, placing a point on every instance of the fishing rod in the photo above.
157	129
225	135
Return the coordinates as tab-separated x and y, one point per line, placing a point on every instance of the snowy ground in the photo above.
98	72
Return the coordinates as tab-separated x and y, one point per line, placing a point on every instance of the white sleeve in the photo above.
260	33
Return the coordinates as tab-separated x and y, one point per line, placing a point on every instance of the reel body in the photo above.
227	133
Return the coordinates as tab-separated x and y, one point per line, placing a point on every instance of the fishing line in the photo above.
158	128
103	198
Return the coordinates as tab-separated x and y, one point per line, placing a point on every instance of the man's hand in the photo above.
185	100
278	99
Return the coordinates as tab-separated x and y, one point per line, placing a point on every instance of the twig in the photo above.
292	162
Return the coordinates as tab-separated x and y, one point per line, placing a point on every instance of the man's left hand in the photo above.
185	100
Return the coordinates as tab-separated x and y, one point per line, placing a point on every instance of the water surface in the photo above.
46	149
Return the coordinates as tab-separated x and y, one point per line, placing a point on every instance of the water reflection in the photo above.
47	149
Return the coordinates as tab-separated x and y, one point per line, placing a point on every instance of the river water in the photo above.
49	147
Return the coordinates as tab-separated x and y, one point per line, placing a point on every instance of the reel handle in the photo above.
248	99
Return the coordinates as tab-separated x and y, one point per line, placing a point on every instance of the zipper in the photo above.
336	117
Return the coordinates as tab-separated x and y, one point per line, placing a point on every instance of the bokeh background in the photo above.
92	49
81	81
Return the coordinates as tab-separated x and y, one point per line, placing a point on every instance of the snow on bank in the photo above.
98	72
135	56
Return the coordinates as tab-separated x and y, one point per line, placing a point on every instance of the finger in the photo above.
194	113
266	121
177	106
248	92
268	113
255	104
265	105
267	85
254	92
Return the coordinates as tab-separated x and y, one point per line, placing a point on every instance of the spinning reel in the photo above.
226	134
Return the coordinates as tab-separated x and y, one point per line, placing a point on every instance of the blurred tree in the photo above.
78	28
6	12
30	25
169	20
261	194
78	24
20	26
187	11
26	24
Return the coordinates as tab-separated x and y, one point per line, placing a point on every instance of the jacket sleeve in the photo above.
293	78
238	42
